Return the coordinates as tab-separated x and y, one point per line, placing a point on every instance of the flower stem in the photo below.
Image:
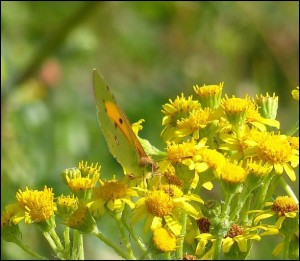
28	250
77	250
138	240
288	190
223	225
124	237
53	245
179	250
108	242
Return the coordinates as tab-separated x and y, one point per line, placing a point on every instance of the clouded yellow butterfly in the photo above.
122	142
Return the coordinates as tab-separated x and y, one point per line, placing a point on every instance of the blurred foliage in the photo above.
148	52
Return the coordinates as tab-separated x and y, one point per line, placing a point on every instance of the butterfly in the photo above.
121	140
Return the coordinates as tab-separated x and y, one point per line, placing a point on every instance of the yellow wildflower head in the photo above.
179	108
236	109
113	195
277	151
164	240
111	190
174	111
284	204
81	220
212	158
10	231
66	205
82	179
254	117
257	168
232	173
197	119
179	152
159	203
209	95
267	105
89	170
38	205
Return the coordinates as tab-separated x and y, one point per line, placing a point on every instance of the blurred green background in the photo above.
148	52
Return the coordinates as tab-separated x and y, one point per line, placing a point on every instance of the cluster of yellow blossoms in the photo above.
230	143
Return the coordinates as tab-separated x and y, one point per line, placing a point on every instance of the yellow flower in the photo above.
38	206
267	105
231	173
112	194
283	207
277	151
254	118
174	111
236	234
82	179
10	231
81	220
164	240
209	95
161	209
236	109
66	205
198	119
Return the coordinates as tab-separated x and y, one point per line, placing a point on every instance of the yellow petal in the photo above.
208	185
227	243
263	216
201	247
278	249
289	171
242	242
173	225
278	168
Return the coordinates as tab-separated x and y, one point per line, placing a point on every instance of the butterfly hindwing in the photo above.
120	138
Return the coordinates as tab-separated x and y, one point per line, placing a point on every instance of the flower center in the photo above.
159	204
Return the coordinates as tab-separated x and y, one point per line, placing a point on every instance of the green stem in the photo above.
108	242
56	239
167	256
240	205
223	224
53	245
67	241
288	190
138	240
124	237
261	198
29	251
77	249
179	249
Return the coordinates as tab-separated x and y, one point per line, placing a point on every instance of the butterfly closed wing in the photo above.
122	142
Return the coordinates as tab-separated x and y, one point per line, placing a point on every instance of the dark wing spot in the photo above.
121	121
